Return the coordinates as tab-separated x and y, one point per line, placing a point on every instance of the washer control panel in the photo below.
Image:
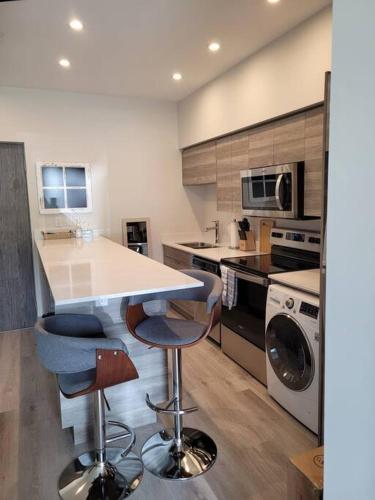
309	310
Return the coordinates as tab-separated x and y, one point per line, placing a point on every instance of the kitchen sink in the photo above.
198	244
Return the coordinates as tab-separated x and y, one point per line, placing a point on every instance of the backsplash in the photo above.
225	218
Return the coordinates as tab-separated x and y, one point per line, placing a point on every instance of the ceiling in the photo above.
132	47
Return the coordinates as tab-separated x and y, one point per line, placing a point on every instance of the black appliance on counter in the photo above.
136	236
200	315
243	326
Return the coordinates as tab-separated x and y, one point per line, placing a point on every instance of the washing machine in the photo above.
292	347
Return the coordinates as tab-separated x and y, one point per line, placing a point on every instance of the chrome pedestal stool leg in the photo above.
179	453
103	474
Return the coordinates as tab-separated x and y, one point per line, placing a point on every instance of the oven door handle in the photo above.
258	280
277	192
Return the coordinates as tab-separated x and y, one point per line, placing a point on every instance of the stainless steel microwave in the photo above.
274	191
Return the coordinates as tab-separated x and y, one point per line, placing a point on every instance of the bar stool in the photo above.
182	452
74	347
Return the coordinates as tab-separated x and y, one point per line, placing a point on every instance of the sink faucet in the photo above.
214	228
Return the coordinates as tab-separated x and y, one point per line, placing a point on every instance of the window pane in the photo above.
54	198
52	176
76	198
75	176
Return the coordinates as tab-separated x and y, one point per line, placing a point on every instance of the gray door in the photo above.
17	292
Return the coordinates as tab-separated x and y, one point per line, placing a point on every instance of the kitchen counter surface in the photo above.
216	254
307	281
80	271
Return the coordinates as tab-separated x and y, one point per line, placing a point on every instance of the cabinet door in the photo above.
224	175
180	260
240	160
199	164
261	146
289	139
177	258
314	134
313	161
313	187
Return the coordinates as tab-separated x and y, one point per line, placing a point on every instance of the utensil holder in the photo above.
248	244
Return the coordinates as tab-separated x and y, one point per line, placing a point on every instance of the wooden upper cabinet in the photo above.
313	187
289	139
224	174
240	160
199	164
261	146
295	138
314	134
313	161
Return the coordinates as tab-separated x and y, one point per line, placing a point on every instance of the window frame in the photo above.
64	188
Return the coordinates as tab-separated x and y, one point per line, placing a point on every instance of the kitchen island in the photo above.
92	278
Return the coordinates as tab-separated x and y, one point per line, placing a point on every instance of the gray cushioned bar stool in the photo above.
181	452
74	347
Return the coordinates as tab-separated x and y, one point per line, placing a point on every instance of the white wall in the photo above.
131	145
286	75
350	327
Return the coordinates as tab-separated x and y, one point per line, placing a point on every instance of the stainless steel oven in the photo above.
243	326
274	191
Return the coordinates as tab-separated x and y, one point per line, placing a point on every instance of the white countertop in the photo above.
216	254
79	271
307	281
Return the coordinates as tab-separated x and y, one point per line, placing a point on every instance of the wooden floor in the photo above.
254	435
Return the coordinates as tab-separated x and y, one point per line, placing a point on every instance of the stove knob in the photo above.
289	303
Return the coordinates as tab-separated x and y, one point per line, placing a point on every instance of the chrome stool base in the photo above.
115	479
161	457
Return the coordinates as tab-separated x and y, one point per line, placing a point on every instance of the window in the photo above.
64	187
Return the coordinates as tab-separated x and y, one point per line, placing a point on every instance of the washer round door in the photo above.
289	352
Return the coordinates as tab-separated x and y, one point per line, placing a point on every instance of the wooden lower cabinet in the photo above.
180	260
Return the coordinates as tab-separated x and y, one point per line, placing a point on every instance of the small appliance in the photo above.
274	191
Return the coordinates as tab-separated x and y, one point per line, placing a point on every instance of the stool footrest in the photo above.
121	435
166	410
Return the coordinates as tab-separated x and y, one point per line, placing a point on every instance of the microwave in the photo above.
274	191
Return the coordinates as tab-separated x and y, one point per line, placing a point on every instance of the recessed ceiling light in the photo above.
64	63
273	1
214	46
177	76
76	25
